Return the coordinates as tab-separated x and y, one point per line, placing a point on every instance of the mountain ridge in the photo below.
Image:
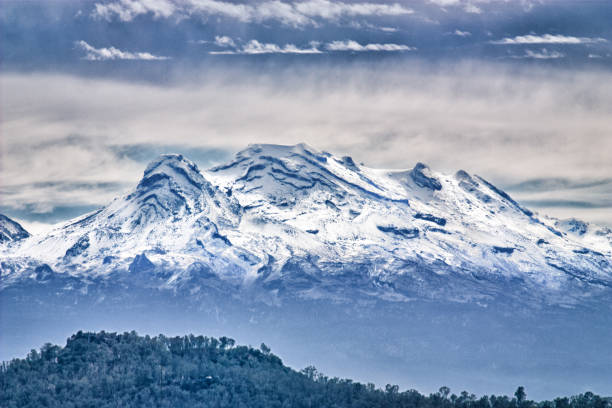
298	213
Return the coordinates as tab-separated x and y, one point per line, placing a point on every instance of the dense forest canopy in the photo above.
117	370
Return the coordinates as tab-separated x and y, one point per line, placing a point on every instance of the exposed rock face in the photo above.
11	231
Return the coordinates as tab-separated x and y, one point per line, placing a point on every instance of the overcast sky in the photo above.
519	92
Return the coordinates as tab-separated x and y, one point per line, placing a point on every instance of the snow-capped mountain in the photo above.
314	254
11	231
293	220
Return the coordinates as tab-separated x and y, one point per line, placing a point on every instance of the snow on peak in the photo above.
174	168
278	204
286	174
171	185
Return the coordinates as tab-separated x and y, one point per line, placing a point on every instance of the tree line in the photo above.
118	370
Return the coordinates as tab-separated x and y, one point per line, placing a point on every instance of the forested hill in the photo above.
120	370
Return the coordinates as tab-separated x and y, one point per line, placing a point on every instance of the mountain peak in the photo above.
172	167
171	185
274	173
279	151
423	177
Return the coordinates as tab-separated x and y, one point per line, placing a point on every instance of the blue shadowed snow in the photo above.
402	232
78	248
503	250
141	264
431	218
504	195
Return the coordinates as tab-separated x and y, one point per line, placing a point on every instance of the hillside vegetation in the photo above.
119	370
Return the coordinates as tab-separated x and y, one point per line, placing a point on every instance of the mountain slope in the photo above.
412	276
293	221
11	231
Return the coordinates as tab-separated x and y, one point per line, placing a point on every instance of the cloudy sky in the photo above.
517	91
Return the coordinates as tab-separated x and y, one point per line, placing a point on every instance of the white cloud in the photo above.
543	54
254	47
224	41
469	6
445	3
364	25
474	6
548	39
112	53
460	33
350	45
296	14
333	10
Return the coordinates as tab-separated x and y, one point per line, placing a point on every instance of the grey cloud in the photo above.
507	124
146	152
565	204
295	14
567	197
28	215
543	54
556	183
67	186
74	186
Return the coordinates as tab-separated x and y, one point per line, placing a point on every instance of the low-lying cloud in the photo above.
506	124
543	54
